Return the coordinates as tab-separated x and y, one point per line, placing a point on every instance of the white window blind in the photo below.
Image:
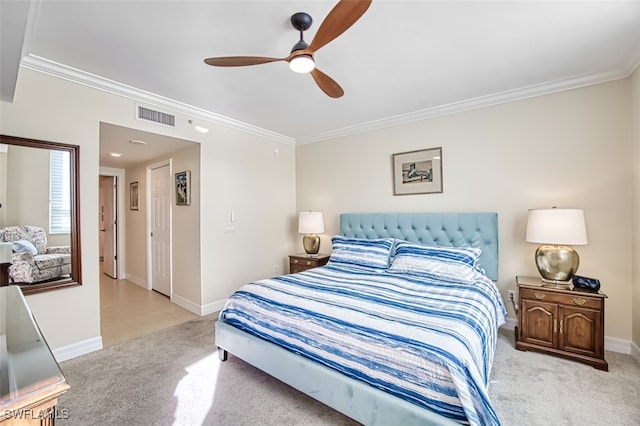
59	193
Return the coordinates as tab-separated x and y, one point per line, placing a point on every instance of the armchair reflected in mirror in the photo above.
40	213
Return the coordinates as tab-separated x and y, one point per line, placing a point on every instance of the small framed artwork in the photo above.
417	172
133	196
183	188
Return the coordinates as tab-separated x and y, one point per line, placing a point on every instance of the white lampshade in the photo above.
5	252
556	226
310	223
302	64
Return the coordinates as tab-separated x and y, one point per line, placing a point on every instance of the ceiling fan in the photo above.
342	16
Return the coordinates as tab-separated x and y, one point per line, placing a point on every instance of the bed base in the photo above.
357	400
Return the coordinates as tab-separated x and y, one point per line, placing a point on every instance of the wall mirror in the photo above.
28	197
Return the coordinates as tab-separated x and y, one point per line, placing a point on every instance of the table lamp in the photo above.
556	229
311	224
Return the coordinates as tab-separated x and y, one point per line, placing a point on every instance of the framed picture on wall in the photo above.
417	172
183	188
133	196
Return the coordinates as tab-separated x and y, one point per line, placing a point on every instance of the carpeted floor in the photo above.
174	377
529	388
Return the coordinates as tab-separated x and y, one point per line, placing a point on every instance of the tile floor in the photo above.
128	310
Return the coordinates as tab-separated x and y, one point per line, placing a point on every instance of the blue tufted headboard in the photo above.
436	229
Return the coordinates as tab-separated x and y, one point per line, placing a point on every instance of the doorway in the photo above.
111	221
159	220
108	225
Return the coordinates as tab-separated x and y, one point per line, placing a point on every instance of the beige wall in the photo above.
569	149
238	171
635	109
259	187
135	230
186	230
66	316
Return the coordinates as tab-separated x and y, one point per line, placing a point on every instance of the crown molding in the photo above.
55	69
474	103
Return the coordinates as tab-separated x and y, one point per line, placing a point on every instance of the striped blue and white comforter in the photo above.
431	343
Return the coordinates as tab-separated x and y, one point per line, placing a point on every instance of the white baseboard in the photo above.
187	304
76	349
612	344
213	307
510	324
197	309
138	281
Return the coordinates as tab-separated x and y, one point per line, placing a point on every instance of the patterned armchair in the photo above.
32	260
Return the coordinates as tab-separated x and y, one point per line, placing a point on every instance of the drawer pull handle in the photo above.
539	296
308	263
579	301
294	261
561	327
555	325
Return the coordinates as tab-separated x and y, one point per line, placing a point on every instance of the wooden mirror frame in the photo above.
75	278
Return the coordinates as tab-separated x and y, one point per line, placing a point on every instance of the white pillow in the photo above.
451	264
24	246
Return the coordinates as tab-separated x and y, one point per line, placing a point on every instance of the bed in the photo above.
383	342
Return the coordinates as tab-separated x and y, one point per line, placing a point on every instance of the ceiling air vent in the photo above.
160	117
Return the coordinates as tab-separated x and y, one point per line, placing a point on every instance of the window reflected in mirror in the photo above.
59	193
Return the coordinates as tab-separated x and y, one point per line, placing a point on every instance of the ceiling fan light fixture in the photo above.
302	64
343	15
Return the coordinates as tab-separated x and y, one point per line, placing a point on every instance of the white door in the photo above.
160	190
109	224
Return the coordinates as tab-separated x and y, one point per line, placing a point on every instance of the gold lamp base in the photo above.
557	264
311	243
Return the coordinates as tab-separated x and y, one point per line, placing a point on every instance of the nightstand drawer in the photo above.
580	300
302	262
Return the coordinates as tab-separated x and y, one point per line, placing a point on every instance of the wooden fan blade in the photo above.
240	61
342	16
327	84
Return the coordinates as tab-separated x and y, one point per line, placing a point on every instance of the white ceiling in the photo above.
136	146
403	60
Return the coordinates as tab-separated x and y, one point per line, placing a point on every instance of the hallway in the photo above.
128	311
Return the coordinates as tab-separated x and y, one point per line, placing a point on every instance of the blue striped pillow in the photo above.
451	264
361	253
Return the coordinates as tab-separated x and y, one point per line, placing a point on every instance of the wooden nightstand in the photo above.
567	323
302	261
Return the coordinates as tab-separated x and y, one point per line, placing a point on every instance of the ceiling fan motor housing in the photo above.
301	21
299	46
